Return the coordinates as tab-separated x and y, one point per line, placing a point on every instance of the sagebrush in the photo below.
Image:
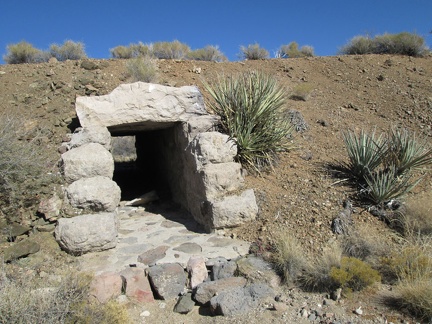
69	50
402	44
292	50
142	68
253	52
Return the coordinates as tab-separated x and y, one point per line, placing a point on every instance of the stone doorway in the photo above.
177	152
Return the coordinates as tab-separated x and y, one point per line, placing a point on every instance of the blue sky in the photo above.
100	25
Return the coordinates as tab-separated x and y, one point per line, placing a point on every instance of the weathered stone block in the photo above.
222	178
96	194
87	233
232	211
87	161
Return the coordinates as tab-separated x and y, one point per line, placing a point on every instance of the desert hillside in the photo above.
301	195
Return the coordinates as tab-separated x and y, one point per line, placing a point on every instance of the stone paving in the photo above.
158	235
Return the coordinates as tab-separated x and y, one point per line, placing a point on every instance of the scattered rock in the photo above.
20	250
50	208
168	280
358	311
106	286
237	301
224	269
205	291
89	65
14	229
185	304
137	285
255	269
197	270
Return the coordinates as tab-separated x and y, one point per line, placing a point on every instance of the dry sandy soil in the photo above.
301	196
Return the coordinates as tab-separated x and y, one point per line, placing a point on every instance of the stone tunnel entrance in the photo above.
163	140
145	161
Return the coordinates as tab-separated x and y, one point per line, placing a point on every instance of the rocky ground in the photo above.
301	196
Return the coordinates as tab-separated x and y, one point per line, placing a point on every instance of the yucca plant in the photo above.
250	106
385	185
365	153
405	152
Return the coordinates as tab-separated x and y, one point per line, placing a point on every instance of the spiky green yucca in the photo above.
386	185
365	153
250	106
405	152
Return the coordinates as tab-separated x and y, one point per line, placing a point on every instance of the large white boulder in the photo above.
86	161
138	103
94	194
87	233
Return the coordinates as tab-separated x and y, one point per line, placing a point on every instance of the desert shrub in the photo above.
250	106
122	52
142	68
208	53
301	92
253	52
288	258
170	50
22	52
354	274
292	50
381	165
27	300
316	276
23	166
358	45
131	51
70	50
403	44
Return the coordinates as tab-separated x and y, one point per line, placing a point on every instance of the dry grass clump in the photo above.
33	300
142	68
316	276
362	245
412	266
288	258
417	217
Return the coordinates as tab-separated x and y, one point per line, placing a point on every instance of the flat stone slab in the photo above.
145	235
